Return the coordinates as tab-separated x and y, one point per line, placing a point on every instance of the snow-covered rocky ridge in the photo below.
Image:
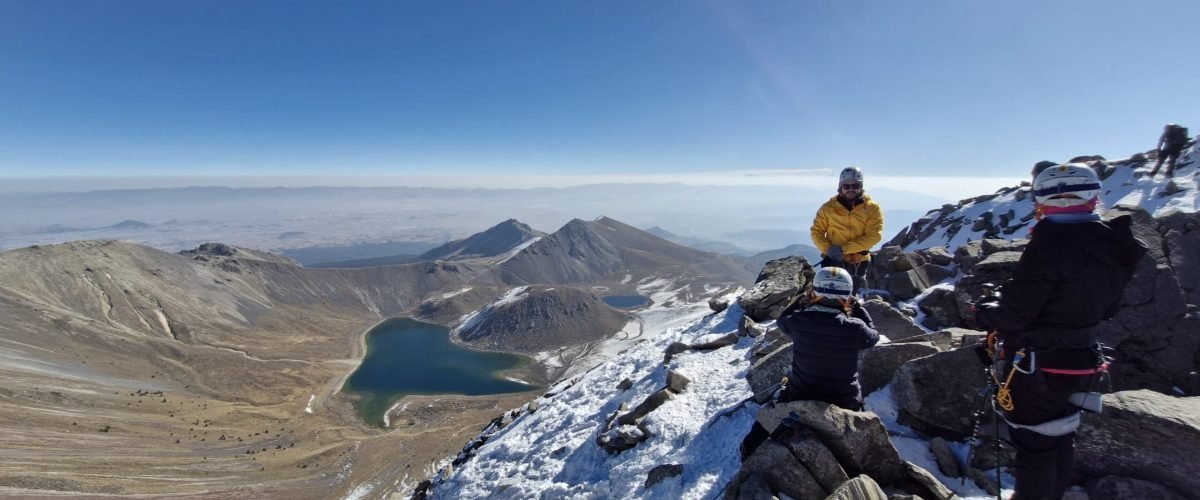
1008	213
688	445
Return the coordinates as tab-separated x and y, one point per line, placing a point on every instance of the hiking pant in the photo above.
1170	154
1044	463
857	271
797	392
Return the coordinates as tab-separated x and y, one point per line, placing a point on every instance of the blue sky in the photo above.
930	88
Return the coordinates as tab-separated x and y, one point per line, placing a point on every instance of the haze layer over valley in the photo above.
400	220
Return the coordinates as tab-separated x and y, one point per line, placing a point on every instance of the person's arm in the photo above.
868	336
860	312
873	234
1162	139
820	226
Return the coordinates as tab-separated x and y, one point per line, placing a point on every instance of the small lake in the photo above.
409	357
625	301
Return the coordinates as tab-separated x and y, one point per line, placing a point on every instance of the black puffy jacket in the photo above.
825	346
1069	278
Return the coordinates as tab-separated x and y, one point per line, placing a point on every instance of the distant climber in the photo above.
827	335
1170	145
847	226
1068	280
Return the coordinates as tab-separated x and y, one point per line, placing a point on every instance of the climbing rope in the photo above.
1003	394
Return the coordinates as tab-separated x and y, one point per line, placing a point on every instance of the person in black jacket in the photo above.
1068	280
827	336
1170	145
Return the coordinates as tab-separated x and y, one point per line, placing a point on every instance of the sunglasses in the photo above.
857	185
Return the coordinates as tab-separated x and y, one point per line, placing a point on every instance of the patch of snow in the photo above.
627	279
447	295
517	249
309	409
915	449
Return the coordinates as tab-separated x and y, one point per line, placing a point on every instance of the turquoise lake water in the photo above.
625	301
409	357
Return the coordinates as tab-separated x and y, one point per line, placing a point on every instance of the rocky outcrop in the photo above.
1158	307
781	282
816	448
535	319
1146	435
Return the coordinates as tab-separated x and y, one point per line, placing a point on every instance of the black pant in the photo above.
1170	154
1044	463
797	392
857	271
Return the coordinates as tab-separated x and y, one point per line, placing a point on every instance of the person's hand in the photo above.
834	252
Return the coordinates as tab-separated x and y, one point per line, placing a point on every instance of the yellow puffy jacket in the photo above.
856	231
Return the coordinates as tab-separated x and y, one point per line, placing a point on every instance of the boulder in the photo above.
940	308
859	488
950	338
765	375
905	285
775	463
716	343
889	321
879	363
662	472
857	439
1145	435
676	382
1127	488
816	457
946	461
937	255
781	282
752	487
937	394
929	485
749	328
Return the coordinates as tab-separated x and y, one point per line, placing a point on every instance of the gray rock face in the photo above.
661	473
890	322
775	463
859	488
1143	434
816	457
1126	488
941	309
857	439
543	318
768	371
879	363
936	394
946	460
780	283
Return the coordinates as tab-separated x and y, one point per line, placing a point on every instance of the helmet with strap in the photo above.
1066	185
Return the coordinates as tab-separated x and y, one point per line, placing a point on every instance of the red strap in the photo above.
1088	371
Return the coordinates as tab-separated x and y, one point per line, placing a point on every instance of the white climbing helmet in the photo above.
833	283
1066	185
850	174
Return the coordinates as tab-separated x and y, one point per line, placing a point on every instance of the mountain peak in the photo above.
496	241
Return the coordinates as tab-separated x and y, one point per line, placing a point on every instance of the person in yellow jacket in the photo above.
847	226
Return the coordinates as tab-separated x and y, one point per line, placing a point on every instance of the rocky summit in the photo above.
672	417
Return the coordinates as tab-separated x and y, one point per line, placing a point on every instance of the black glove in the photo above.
834	252
981	310
985	357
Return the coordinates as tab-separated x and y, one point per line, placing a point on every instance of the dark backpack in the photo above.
1177	135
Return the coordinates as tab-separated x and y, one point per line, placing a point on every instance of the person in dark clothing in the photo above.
827	336
1170	145
1068	280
